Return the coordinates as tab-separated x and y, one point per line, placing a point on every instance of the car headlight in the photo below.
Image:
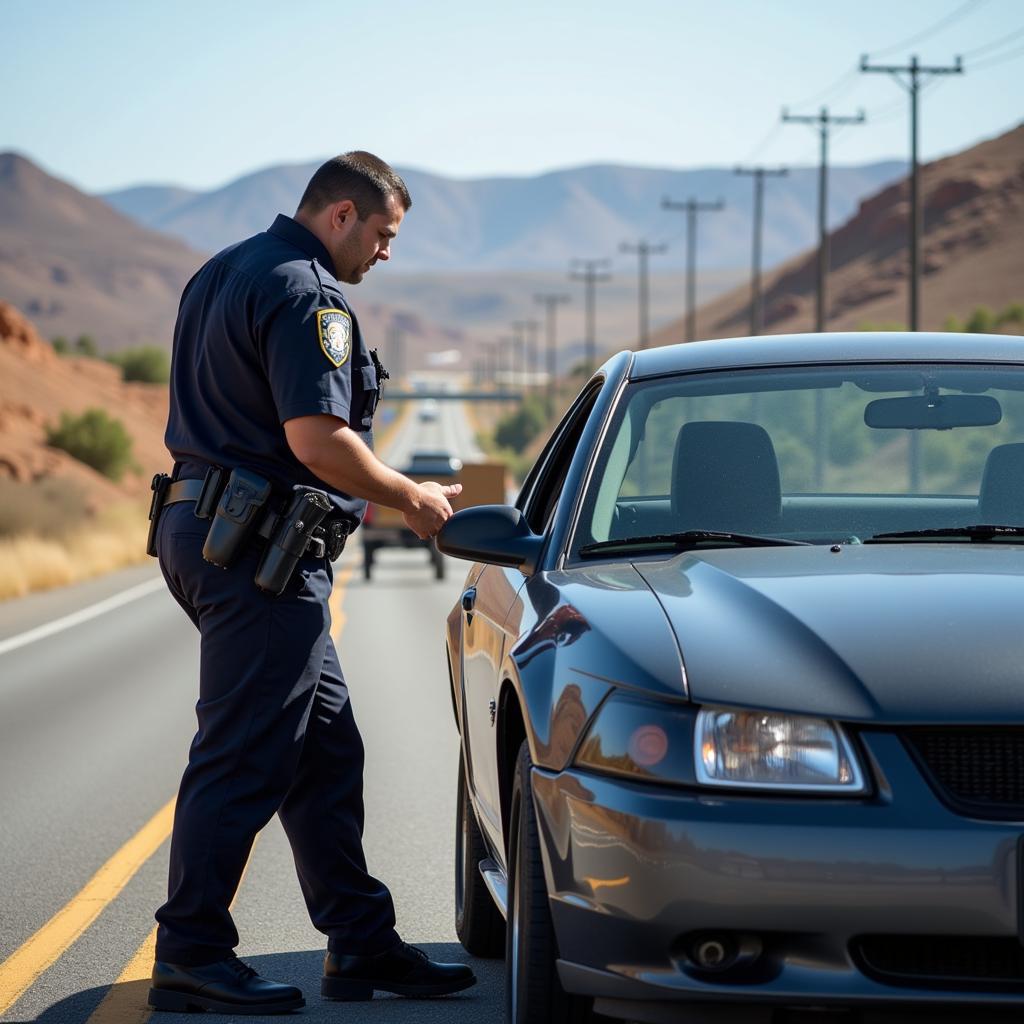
640	739
767	750
659	741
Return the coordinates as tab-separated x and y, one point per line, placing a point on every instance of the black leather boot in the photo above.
228	986
404	970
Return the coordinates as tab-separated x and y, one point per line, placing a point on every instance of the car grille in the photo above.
936	960
977	770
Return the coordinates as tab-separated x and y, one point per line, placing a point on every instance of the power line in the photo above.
760	146
846	78
758	174
691	207
995	44
915	70
948	19
644	250
824	121
591	273
551	301
999	58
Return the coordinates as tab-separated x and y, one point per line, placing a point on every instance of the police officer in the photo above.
271	376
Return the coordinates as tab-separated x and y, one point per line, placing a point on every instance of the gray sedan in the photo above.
738	685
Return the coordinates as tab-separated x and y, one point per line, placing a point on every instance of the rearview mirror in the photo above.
933	412
496	534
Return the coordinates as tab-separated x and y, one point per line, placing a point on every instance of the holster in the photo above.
159	487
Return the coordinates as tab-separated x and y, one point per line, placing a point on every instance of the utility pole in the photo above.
824	120
507	359
914	70
550	301
491	364
756	307
691	207
527	331
643	250
518	351
591	273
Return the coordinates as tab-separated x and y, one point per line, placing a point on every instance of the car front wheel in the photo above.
533	992
478	922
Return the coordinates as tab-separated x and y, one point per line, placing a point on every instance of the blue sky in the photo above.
108	94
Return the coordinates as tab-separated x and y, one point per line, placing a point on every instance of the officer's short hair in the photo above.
362	177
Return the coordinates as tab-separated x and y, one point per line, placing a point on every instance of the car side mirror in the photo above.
496	534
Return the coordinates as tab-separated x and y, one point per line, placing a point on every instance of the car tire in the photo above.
478	922
533	991
367	563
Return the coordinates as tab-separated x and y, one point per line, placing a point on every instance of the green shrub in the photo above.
60	345
148	363
953	324
85	345
96	439
981	321
1013	314
516	430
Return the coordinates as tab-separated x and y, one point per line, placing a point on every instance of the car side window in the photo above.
545	486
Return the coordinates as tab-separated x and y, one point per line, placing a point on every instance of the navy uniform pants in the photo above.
276	734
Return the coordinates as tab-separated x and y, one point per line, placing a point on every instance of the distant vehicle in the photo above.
440	462
738	688
428	410
482	483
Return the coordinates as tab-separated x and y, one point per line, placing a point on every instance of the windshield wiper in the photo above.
980	531
686	539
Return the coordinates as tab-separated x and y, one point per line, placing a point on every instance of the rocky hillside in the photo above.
76	266
972	253
36	386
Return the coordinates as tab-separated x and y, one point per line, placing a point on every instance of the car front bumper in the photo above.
640	875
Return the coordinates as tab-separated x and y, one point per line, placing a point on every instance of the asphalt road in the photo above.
95	722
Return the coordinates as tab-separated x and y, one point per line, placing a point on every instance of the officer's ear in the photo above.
343	214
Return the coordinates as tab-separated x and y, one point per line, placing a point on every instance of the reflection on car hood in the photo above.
895	633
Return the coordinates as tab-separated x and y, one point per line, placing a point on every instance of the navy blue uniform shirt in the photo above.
263	336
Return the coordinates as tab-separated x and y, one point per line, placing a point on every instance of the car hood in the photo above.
897	633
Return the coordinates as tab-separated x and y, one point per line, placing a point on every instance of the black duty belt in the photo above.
329	543
192	490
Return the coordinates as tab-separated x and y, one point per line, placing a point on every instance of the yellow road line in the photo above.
39	952
23	966
125	1001
338	617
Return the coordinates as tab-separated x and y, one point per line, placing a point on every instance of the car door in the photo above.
493	615
486	606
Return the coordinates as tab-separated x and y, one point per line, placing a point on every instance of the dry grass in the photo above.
38	551
30	562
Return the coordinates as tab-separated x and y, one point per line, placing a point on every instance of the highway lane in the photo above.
95	722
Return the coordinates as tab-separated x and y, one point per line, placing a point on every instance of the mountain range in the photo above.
75	265
536	223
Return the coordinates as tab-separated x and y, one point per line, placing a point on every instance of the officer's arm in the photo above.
332	451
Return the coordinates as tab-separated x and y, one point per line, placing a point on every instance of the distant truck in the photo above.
483	483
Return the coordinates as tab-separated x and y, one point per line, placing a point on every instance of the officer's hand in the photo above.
434	509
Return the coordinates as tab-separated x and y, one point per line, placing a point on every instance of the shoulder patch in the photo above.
334	332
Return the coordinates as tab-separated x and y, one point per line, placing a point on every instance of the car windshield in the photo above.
817	454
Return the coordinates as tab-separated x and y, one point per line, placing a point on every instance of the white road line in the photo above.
82	615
